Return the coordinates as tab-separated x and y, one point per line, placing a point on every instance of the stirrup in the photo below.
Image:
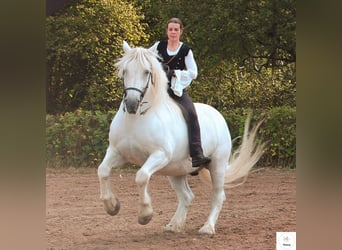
200	161
195	173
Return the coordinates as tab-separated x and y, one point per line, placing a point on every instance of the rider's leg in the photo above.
194	132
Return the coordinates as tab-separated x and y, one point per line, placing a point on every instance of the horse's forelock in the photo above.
135	54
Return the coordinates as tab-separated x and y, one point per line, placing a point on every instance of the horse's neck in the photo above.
160	100
168	111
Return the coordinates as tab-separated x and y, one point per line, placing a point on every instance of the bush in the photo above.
80	139
77	139
228	87
82	44
278	131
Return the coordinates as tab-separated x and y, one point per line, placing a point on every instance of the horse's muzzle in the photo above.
131	105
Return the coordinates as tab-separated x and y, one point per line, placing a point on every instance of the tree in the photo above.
83	41
261	31
243	48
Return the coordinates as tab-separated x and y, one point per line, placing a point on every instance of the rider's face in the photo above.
174	31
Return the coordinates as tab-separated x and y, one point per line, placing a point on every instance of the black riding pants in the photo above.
190	115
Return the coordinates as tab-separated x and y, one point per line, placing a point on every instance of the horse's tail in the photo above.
242	160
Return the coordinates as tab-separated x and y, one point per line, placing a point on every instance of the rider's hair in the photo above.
175	20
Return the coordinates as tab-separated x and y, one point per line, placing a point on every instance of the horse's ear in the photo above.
125	46
151	48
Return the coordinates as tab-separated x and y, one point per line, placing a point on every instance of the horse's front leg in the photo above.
155	162
111	159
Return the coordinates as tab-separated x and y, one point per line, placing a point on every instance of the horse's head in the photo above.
139	69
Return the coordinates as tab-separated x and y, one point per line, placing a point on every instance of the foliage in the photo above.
278	131
245	50
80	139
83	42
77	138
229	86
257	32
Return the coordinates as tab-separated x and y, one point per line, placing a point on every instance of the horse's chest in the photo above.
133	145
137	140
134	148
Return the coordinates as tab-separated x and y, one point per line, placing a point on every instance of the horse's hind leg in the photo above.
185	197
110	160
217	198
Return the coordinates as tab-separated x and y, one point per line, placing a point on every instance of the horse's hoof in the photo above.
207	230
173	229
112	210
145	220
169	228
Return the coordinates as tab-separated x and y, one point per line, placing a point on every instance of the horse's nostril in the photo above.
131	106
131	111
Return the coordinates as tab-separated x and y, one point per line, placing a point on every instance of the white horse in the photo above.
149	130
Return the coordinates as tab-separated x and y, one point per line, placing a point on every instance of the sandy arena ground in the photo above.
250	217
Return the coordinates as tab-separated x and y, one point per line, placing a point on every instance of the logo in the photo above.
286	240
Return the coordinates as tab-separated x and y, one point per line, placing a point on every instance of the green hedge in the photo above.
80	139
278	131
77	139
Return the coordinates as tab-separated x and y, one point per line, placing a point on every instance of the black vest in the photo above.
174	62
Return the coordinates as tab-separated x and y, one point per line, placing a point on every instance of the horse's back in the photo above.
214	129
208	116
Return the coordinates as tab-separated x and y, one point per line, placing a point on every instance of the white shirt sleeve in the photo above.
183	78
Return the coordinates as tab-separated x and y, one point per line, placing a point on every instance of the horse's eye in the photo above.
147	72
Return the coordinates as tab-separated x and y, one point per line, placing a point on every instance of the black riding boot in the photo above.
195	144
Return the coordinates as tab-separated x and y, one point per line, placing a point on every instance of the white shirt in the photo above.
184	77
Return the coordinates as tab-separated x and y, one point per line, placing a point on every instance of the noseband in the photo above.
142	92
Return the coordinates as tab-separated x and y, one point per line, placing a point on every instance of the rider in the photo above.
181	69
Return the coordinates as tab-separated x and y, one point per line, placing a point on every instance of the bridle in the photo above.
142	92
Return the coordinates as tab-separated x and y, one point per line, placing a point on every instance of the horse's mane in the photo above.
144	57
